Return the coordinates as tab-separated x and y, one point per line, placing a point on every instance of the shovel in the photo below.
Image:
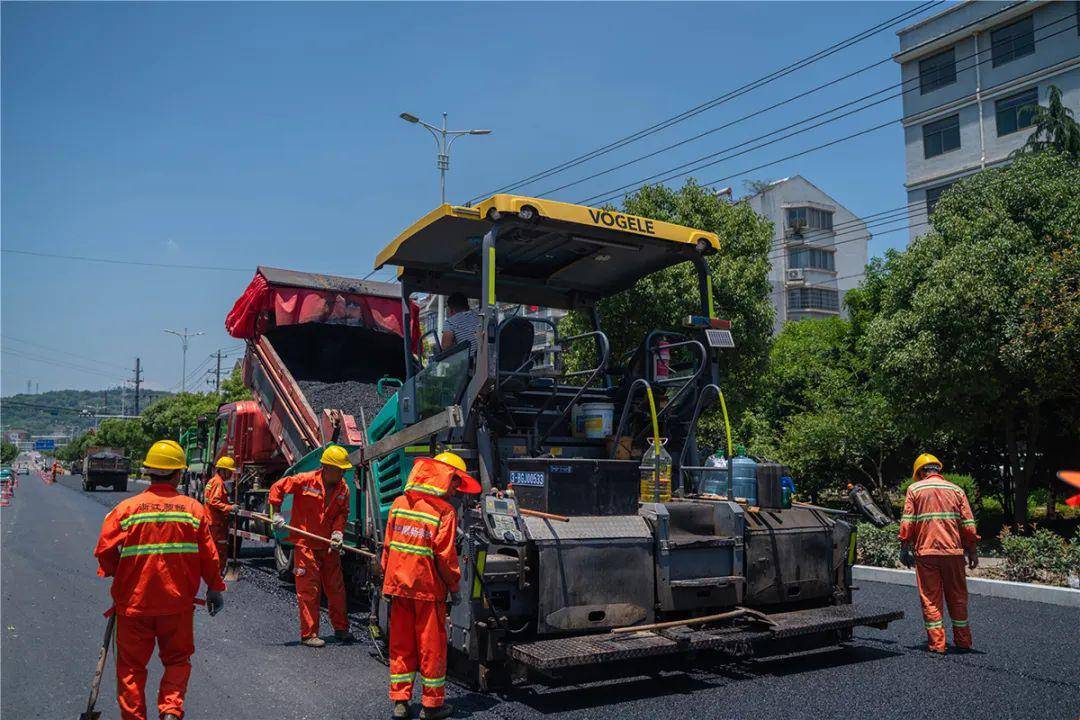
313	536
95	685
232	570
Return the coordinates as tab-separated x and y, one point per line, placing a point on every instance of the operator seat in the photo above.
515	352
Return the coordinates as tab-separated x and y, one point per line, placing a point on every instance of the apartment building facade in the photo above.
971	75
819	249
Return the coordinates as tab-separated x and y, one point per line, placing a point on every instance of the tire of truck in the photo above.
87	487
283	562
120	484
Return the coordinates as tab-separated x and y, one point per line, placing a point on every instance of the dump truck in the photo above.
105	466
580	555
323	354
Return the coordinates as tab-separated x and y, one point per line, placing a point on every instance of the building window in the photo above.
941	136
1012	41
812	258
807	217
934	194
937	71
1016	112
811	298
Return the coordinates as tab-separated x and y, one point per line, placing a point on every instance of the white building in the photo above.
818	252
971	75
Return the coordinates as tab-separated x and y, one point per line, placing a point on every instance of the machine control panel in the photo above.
501	518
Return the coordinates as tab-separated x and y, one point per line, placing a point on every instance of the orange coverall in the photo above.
157	548
420	564
316	567
938	523
218	508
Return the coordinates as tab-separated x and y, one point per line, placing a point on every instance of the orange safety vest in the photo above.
217	501
419	559
310	510
937	518
157	548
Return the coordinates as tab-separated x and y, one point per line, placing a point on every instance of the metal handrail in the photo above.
605	355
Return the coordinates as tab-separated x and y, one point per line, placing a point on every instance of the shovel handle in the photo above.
313	536
544	515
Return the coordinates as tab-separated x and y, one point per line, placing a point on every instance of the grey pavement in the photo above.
248	664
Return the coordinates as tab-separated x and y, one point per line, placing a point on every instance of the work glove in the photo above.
907	557
214	602
336	538
973	560
278	521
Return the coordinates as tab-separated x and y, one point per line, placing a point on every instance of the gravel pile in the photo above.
348	396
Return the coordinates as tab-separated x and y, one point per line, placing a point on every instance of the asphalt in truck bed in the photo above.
248	663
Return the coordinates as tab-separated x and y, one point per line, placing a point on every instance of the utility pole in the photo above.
184	337
217	374
441	135
138	382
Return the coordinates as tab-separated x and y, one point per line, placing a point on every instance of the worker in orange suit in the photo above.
320	506
420	565
56	471
157	548
218	506
937	530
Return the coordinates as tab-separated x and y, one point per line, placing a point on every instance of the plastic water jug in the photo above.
714	482
651	489
744	478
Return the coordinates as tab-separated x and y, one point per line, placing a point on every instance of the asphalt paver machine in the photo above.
566	566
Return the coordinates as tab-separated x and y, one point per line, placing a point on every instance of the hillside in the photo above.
60	411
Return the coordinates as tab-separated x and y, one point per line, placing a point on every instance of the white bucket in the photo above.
594	420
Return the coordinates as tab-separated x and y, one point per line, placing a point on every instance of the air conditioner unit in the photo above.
795	275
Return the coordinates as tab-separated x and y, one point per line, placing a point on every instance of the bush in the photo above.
879	547
1043	555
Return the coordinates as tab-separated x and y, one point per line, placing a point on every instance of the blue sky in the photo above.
232	135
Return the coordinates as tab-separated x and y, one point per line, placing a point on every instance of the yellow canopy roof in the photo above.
548	253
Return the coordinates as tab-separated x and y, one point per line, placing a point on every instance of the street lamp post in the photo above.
443	139
184	336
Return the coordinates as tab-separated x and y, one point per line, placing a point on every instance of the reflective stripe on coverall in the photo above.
316	568
217	509
420	565
938	522
157	548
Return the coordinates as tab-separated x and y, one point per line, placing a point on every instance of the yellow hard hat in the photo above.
225	463
921	461
336	456
165	455
451	459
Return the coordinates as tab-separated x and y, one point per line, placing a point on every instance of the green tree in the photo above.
8	452
232	387
818	411
126	434
740	289
166	418
1055	129
975	329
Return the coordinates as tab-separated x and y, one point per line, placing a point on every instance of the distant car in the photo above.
24	470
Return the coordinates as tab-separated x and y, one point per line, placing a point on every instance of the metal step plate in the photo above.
583	650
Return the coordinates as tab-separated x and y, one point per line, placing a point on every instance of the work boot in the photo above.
344	636
437	713
401	710
170	716
313	641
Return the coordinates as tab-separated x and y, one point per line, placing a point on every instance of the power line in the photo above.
671	174
798	96
114	261
60	363
63	352
685	115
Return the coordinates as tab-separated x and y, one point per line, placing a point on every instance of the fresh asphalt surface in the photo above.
248	664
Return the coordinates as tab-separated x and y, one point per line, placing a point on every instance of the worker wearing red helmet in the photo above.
420	566
320	506
218	506
157	548
937	530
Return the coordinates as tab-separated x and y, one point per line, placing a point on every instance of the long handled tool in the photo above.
95	685
313	536
232	572
544	515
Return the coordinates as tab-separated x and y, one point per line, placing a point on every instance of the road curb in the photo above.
1028	592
